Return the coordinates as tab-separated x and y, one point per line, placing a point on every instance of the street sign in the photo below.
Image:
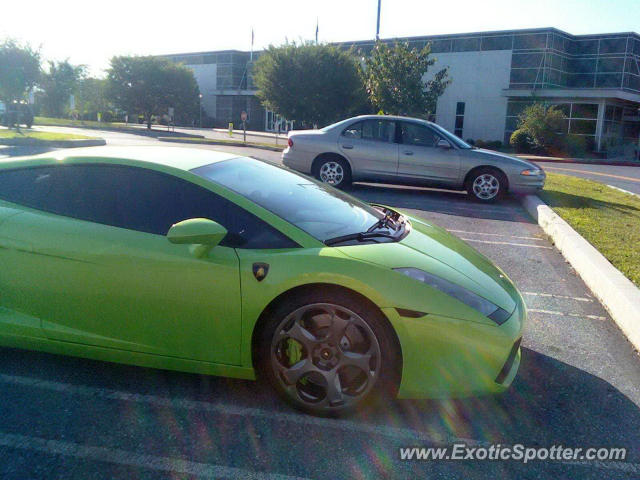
243	116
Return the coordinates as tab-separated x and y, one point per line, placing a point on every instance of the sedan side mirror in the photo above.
202	233
442	143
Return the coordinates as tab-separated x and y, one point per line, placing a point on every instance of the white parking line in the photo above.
132	459
305	420
506	243
562	314
216	471
553	295
498	235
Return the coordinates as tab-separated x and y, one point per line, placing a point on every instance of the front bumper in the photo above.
526	185
446	357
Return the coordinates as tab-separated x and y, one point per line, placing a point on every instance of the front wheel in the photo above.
326	354
486	185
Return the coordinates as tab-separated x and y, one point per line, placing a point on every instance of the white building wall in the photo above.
206	77
477	79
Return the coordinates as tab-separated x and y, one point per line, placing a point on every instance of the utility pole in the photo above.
378	24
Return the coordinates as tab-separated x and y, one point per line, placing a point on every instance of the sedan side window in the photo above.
375	130
419	135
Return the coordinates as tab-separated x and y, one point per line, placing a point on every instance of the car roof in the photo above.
182	158
389	117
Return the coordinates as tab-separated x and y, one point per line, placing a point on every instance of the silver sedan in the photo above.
389	149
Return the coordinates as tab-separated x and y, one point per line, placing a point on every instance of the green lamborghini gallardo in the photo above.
199	261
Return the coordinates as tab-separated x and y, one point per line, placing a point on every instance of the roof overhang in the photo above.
573	93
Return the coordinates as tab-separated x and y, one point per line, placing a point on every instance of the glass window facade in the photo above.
582	118
564	61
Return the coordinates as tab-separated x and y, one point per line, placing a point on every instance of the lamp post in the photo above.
378	23
200	96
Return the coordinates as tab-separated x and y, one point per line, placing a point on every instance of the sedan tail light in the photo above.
290	142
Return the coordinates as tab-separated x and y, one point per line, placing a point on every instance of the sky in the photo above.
90	33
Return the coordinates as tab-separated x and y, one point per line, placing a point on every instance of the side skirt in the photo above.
126	357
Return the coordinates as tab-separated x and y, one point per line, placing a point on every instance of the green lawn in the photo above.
607	218
66	122
38	136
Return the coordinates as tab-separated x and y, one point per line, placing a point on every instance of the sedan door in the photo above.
371	149
425	155
99	271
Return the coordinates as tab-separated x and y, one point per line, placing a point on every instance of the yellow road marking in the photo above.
620	177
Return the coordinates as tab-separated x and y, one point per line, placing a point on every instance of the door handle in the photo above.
408	152
347	147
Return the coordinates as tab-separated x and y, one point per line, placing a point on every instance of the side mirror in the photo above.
202	233
442	143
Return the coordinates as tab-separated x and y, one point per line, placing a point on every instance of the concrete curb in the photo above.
216	142
615	291
253	133
27	142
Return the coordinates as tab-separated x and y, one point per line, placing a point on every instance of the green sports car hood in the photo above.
436	251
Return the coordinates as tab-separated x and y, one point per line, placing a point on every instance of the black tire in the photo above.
338	174
486	185
332	353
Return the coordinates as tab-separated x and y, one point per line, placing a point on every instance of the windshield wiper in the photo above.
361	237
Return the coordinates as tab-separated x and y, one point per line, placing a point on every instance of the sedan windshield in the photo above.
320	210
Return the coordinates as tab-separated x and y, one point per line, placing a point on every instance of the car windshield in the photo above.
318	209
458	142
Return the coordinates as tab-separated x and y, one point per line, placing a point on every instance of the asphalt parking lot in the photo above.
578	386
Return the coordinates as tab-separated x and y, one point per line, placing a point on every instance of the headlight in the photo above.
467	297
533	172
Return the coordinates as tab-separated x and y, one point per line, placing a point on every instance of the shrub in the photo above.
494	145
107	117
543	124
575	145
521	141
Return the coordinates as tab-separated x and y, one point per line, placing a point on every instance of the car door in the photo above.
422	158
100	271
371	149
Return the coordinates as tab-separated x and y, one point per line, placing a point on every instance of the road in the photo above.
578	386
626	178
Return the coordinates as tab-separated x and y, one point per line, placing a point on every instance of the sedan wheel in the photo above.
332	173
486	185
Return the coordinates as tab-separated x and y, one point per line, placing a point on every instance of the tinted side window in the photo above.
135	199
376	130
418	135
28	187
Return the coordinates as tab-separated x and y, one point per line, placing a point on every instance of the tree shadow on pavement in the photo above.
19	151
440	201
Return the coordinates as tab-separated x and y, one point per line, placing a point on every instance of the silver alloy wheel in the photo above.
325	356
486	186
332	173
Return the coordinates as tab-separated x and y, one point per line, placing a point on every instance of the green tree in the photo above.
58	83
150	86
91	98
311	84
393	78
543	124
19	70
